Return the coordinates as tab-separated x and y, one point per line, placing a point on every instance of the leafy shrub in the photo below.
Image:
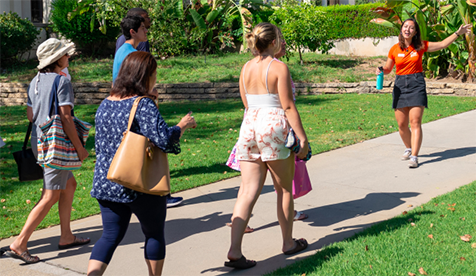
303	26
83	31
171	32
17	36
348	21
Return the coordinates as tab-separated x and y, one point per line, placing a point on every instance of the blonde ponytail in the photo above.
262	36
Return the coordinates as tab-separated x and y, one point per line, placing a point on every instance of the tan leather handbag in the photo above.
138	164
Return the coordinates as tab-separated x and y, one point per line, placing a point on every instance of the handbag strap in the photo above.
133	112
27	136
54	96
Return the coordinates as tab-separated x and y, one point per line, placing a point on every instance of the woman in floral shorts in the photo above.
234	163
265	88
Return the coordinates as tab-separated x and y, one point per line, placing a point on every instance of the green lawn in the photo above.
331	121
427	238
224	68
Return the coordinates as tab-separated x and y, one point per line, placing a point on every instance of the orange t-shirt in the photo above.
407	61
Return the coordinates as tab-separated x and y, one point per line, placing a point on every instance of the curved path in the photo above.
354	187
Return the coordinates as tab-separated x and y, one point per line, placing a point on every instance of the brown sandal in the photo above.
25	256
77	242
241	263
299	245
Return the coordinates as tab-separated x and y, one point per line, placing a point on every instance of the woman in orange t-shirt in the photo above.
409	91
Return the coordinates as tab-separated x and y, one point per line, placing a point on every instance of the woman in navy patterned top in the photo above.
137	77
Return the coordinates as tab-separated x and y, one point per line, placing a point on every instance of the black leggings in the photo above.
149	209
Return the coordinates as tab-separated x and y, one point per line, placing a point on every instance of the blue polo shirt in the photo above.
121	54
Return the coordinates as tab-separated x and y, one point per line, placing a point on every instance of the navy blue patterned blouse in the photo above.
111	122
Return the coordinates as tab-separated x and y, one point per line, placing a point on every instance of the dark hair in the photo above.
416	39
136	12
134	75
129	23
50	68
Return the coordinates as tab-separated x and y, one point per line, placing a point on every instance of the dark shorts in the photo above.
409	90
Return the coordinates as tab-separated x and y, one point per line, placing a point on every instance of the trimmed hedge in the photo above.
354	22
347	21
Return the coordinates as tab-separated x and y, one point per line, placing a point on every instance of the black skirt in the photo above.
409	90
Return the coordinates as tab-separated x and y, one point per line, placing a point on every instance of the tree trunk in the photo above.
470	40
300	56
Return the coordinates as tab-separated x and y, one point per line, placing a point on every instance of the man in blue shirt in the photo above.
134	31
143	46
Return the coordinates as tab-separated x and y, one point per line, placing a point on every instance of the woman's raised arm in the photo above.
436	46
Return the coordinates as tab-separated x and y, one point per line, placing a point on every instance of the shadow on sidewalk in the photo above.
448	154
309	265
175	230
222	194
178	229
330	214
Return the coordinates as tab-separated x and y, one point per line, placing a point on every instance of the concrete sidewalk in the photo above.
353	188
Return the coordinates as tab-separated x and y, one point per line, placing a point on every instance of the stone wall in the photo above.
94	93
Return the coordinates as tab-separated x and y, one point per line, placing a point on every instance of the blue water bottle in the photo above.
380	79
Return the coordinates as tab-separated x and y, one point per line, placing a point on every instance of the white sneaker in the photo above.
413	163
406	154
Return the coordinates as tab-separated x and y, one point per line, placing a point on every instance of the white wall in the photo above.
364	47
46	10
21	7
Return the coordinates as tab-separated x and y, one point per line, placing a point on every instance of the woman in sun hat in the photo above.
58	185
409	92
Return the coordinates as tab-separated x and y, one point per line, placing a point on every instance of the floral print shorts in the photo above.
262	135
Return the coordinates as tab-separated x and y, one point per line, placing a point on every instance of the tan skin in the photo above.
50	197
155	267
278	55
141	36
413	114
282	171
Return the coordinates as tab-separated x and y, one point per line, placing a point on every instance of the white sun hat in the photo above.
51	50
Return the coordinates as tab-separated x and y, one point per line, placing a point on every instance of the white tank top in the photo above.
261	100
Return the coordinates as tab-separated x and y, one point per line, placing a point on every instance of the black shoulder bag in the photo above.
28	169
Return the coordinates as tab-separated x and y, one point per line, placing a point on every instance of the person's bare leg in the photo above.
64	208
37	214
282	172
416	115
253	175
402	116
96	268
155	267
240	191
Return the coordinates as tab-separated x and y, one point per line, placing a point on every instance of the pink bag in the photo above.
232	161
301	181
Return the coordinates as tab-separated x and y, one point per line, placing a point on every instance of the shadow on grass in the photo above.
328	248
448	154
179	229
335	63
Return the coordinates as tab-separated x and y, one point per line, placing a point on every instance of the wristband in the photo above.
456	34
